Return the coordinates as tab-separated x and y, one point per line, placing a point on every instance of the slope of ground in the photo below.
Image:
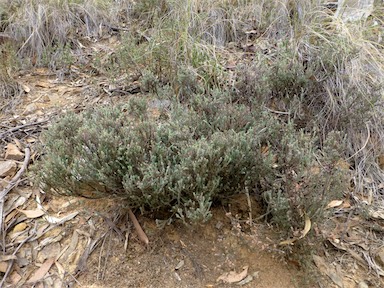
93	244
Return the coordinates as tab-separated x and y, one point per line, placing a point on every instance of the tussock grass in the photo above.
10	89
45	29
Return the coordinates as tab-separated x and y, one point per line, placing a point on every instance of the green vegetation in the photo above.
193	157
267	96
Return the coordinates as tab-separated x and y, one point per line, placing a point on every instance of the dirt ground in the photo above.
193	256
93	244
99	247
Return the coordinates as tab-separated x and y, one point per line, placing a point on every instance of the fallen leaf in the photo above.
10	216
320	263
25	88
19	227
55	220
32	213
326	270
3	267
334	203
7	257
71	247
50	250
179	265
42	84
376	214
233	277
246	280
177	276
60	269
40	273
307	227
15	278
288	241
30	140
18	143
336	278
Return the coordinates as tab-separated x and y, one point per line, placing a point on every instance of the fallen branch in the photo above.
142	236
21	127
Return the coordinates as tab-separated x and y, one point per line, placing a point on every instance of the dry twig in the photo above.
142	236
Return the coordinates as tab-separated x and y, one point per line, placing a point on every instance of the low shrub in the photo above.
201	154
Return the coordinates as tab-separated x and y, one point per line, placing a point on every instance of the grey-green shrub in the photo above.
202	153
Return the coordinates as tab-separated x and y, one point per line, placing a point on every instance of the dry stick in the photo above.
82	263
142	236
249	205
10	186
108	252
20	127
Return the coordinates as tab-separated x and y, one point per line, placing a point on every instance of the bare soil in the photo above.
193	256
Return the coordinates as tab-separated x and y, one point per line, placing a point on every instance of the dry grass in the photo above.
44	28
10	90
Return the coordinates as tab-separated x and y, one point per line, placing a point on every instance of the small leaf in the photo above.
25	88
307	227
7	257
19	227
334	203
3	267
288	241
40	273
32	213
233	277
179	265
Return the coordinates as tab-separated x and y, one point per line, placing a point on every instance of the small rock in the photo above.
22	262
380	257
45	99
7	168
219	225
4	182
362	284
13	153
30	109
